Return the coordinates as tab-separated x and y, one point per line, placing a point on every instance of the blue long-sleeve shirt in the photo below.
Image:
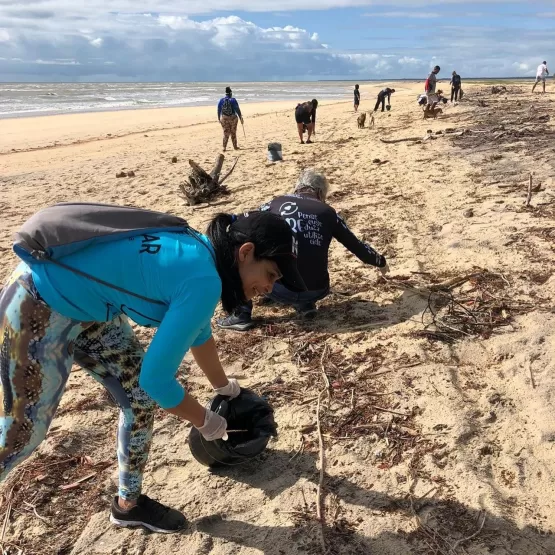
234	105
174	268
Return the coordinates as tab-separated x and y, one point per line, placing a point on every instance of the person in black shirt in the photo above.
305	115
315	224
357	97
455	86
382	95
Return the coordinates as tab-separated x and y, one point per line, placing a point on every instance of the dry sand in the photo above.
463	461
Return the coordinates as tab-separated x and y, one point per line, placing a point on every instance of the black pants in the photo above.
381	99
455	93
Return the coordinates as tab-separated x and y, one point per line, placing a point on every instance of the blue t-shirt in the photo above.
171	267
234	106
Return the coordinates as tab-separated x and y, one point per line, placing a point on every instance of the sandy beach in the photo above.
438	430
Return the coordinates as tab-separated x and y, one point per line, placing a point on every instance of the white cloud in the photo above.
59	62
165	40
401	15
408	60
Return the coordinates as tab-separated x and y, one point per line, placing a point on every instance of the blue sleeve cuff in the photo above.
167	395
202	337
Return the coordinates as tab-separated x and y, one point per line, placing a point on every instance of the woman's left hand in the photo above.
231	390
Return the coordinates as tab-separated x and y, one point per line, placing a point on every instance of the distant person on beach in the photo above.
541	75
431	81
305	116
357	97
382	95
455	86
229	115
315	224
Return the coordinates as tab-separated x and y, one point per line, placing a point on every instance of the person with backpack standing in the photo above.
86	270
229	115
455	86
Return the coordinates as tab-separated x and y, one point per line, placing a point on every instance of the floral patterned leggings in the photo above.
37	349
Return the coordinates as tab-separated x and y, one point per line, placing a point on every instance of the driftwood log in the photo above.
204	186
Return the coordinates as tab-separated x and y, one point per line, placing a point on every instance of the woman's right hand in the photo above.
215	426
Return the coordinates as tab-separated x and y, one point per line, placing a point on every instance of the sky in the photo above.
271	40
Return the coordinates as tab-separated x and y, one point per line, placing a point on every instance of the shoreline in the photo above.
23	115
37	132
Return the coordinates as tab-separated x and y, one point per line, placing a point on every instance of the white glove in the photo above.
215	426
231	390
384	270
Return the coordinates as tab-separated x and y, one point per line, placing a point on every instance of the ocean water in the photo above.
35	99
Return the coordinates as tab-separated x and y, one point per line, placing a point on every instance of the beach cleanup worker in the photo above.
51	317
305	115
455	86
315	224
382	95
357	97
431	81
229	115
541	75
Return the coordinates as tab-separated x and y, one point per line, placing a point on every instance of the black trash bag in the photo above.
249	412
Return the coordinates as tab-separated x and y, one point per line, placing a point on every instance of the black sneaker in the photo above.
150	514
237	322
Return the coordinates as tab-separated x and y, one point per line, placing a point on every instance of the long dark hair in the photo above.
225	244
226	240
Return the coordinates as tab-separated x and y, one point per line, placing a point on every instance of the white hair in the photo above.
310	180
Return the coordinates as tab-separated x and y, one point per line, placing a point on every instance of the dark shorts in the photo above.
302	117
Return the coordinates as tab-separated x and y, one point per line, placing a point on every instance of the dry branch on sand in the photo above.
204	186
483	304
30	490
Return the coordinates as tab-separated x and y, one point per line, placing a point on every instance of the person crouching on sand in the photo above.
51	317
305	115
229	115
315	224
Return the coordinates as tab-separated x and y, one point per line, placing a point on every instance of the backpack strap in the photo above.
44	256
102	282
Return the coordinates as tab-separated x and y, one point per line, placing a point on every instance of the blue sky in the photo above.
242	40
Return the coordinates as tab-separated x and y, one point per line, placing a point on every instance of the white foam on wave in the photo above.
61	98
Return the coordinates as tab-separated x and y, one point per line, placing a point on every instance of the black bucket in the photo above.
248	412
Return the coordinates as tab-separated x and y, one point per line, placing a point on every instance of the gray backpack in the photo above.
67	228
227	107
